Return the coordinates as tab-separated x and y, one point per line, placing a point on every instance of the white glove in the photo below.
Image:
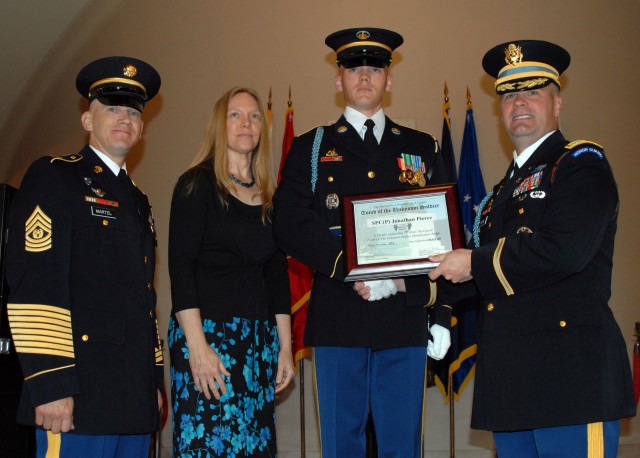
381	289
441	342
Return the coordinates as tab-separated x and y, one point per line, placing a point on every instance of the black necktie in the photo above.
515	170
370	139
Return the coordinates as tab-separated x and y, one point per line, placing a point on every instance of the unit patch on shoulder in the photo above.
38	231
580	147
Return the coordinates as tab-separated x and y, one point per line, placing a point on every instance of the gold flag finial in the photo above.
289	103
446	106
269	102
469	104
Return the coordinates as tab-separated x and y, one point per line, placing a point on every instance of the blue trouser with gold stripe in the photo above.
66	445
576	441
350	381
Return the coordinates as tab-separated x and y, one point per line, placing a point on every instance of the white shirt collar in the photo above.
357	119
523	157
115	168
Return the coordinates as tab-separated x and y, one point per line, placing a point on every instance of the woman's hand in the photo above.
207	370
285	370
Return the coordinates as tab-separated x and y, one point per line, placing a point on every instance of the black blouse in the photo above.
223	260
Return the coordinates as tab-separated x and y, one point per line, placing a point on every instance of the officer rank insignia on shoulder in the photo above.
580	147
331	156
38	231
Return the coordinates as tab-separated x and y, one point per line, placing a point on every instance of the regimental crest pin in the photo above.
38	232
332	201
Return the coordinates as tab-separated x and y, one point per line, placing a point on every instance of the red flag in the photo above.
300	275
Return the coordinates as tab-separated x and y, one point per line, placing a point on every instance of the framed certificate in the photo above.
391	234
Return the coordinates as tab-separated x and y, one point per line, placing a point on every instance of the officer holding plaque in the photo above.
553	376
369	356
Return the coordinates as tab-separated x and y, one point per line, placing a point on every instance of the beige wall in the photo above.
203	47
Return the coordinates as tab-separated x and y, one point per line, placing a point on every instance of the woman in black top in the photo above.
230	327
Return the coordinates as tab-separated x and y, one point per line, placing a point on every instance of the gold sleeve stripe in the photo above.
41	329
34	317
22	326
43	347
41	308
498	268
335	264
49	370
39	332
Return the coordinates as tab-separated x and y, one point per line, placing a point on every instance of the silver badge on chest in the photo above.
332	201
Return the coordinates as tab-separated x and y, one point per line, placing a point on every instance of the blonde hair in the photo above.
213	151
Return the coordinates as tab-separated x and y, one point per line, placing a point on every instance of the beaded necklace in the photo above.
242	183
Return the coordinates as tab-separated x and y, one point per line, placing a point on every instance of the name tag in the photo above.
103	212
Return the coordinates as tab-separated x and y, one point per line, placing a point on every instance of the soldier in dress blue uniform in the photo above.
80	267
553	376
368	356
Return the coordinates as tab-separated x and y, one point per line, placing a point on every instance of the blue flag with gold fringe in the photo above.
470	183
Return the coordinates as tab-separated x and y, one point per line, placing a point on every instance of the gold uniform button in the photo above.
563	324
85	338
371	174
521	211
490	307
105	222
151	313
330	179
149	285
146	259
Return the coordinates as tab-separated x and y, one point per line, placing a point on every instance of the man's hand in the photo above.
56	416
454	265
437	348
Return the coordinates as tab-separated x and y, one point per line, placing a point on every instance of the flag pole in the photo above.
302	428
452	423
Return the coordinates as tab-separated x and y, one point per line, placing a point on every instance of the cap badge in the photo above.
513	54
363	35
129	71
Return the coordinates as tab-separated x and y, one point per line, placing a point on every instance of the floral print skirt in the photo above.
242	422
